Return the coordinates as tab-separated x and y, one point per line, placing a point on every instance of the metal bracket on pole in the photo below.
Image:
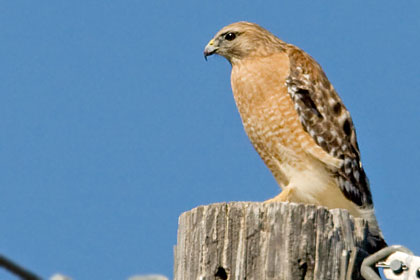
397	262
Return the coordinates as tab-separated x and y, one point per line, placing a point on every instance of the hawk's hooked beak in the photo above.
209	49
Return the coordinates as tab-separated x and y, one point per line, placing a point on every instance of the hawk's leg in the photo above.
285	196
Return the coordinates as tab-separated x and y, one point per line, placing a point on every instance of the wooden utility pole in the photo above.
257	241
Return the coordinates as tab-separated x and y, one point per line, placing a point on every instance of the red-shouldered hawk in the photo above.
296	122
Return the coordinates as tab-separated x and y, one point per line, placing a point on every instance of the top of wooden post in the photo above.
252	240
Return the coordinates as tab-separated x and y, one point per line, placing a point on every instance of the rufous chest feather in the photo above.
259	82
260	91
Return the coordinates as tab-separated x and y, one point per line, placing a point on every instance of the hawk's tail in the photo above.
375	242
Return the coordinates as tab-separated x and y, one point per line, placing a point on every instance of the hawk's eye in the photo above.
230	36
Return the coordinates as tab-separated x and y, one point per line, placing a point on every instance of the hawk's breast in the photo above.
266	109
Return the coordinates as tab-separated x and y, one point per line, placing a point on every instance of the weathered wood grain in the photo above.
249	240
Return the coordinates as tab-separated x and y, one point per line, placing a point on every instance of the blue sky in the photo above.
112	124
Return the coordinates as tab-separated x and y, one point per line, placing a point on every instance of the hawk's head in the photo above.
243	39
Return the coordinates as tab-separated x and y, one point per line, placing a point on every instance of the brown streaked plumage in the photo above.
296	122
